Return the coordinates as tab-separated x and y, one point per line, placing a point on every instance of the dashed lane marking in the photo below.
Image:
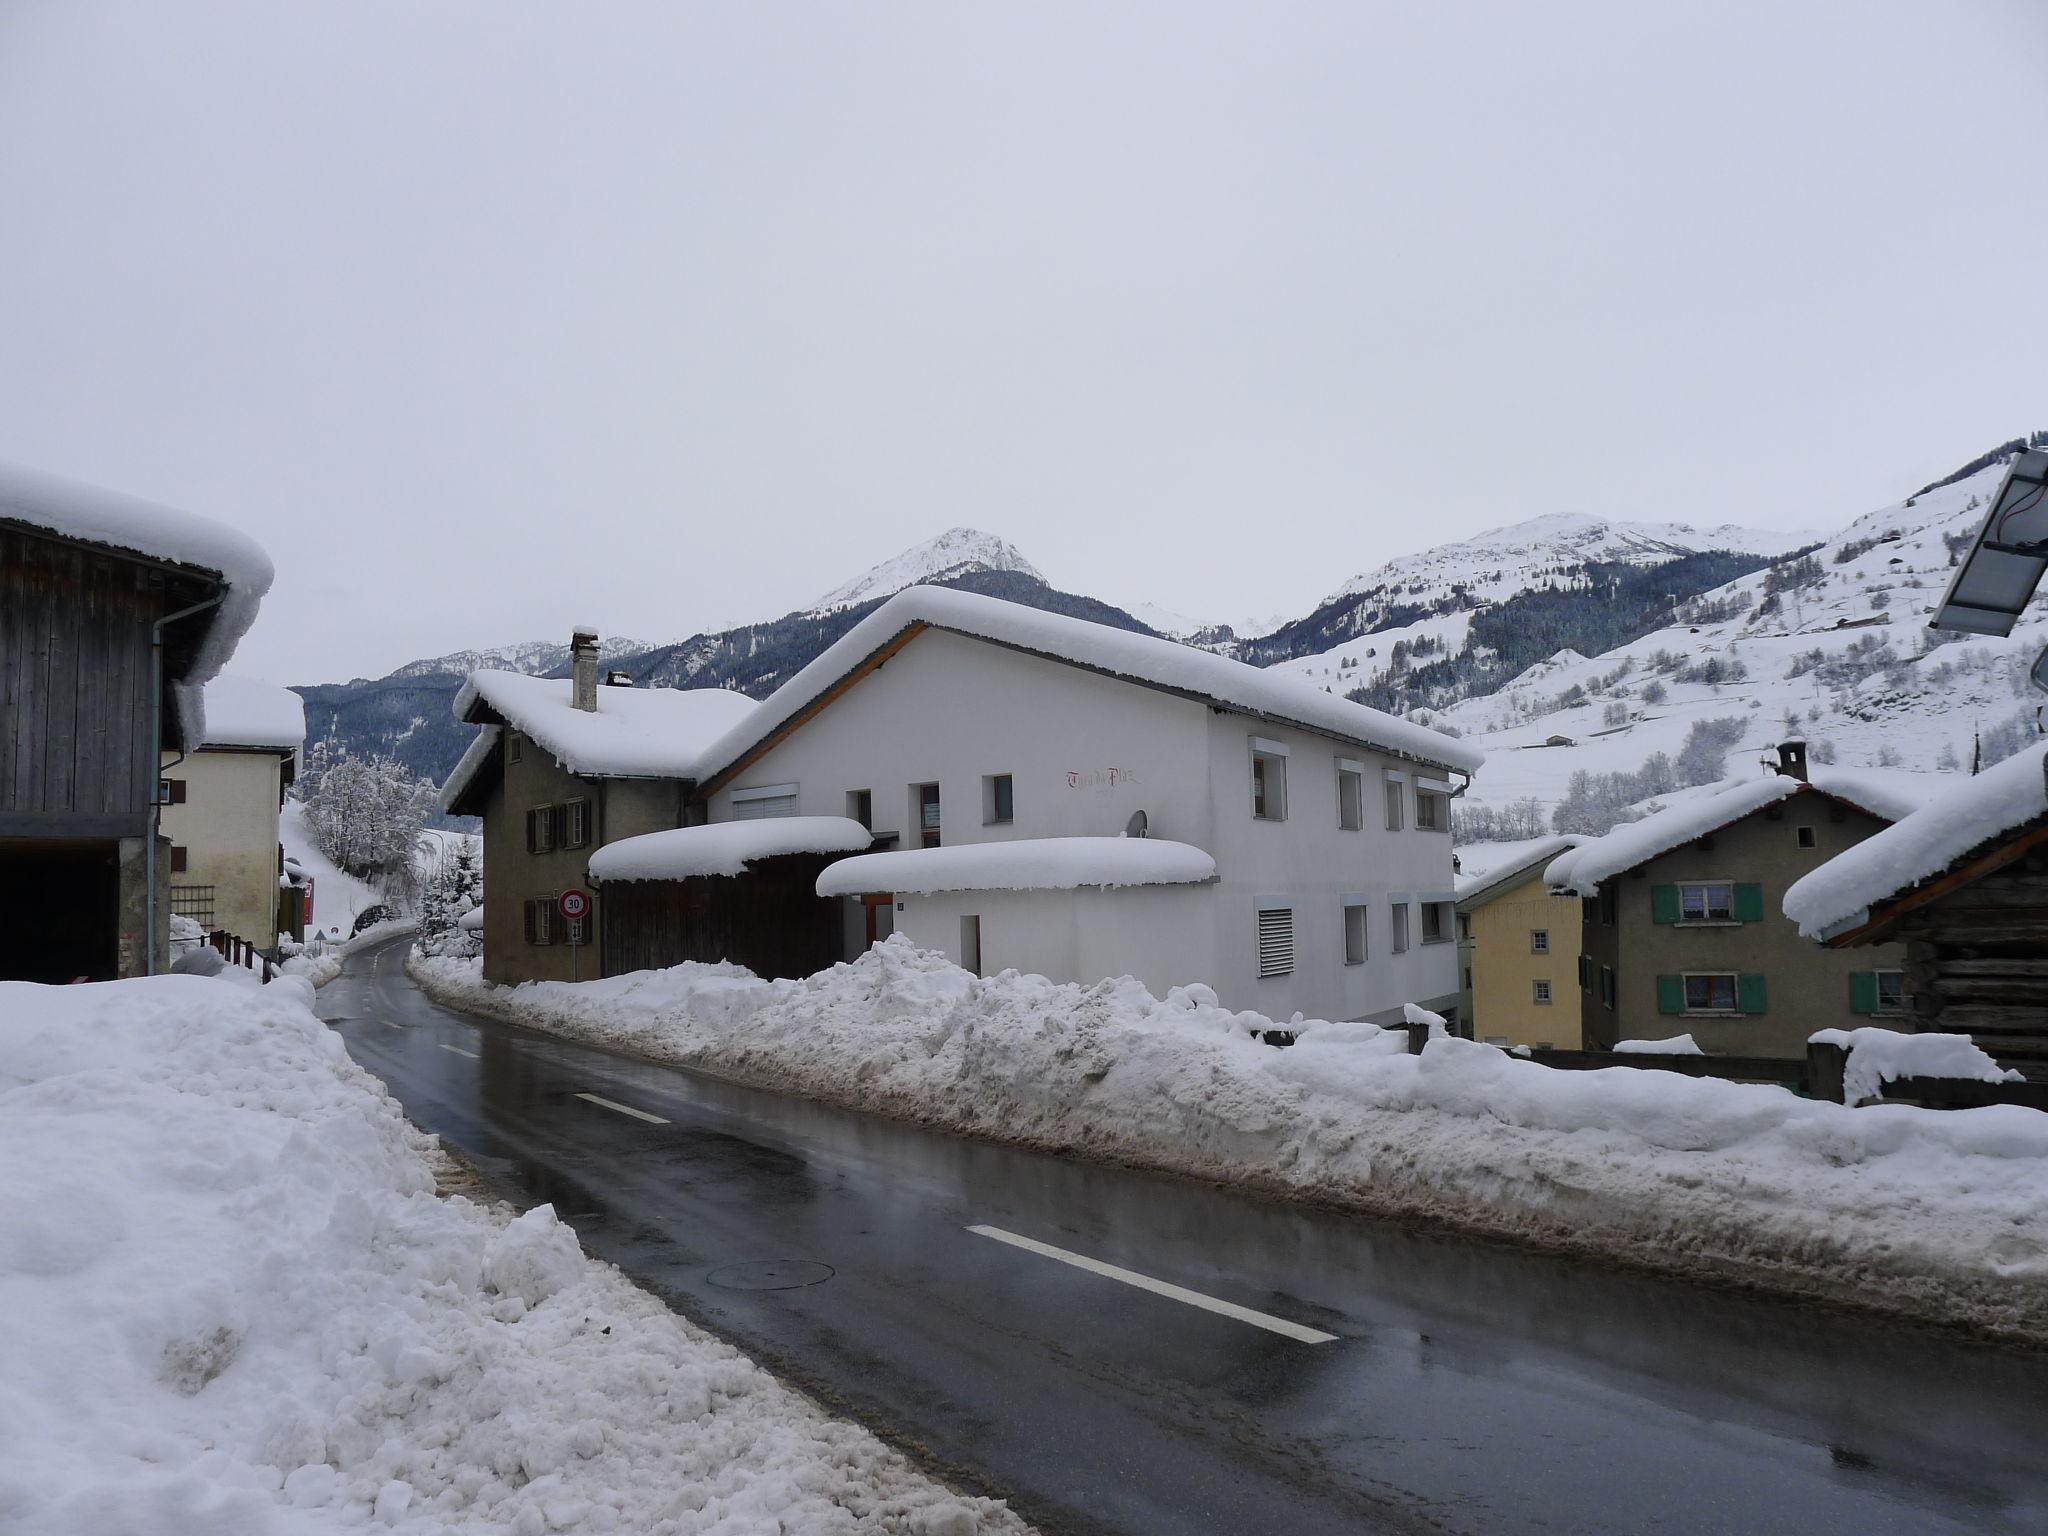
458	1050
624	1109
1265	1320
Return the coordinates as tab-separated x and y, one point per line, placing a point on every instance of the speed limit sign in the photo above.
573	904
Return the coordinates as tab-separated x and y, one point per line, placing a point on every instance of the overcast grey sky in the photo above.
489	318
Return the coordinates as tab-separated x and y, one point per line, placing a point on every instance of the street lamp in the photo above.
2009	557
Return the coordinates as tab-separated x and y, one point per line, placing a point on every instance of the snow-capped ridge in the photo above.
958	551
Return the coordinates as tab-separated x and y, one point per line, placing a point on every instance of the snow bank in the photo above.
1917	1211
1880	1056
725	847
77	511
1021	864
1839	894
1670	1045
242	712
235	1304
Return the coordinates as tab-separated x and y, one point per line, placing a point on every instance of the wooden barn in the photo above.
1964	885
744	891
113	614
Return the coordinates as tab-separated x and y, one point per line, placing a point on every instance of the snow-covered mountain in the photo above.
956	552
536	658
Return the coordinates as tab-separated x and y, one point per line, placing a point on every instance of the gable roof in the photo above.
1885	794
1482	885
1141	659
634	733
1974	817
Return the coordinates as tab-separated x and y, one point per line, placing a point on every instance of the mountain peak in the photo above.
956	552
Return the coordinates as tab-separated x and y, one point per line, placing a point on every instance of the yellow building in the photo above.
1520	952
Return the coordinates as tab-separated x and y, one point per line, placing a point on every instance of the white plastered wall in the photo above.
227	826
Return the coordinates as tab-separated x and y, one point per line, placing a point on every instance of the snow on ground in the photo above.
1921	1212
236	1306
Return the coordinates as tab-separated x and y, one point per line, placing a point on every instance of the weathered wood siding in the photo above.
1977	963
74	679
771	920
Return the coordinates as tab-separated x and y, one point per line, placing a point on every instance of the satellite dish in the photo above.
1137	826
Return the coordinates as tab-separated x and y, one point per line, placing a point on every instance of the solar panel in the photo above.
2010	555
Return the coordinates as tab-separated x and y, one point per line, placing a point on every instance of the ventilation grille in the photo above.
1276	941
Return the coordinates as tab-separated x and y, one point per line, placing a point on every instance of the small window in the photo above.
1400	943
1609	905
1539	941
1354	934
513	744
540	920
924	804
1432	813
1437	926
179	859
578	827
1269	781
1396	819
764	802
1607	986
860	807
1710	993
1711	901
1891	991
998	800
540	831
1350	796
970	944
1806	837
1276	941
1541	993
171	792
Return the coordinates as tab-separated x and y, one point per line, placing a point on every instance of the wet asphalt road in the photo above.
1470	1388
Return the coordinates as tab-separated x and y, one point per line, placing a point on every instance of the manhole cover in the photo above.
770	1275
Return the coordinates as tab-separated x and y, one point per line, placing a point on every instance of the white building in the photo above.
1310	866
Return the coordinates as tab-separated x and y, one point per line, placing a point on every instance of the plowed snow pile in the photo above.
1932	1214
231	1303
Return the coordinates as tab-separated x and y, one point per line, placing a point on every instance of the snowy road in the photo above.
1122	1352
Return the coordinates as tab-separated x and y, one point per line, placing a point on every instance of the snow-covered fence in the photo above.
239	951
1934	1071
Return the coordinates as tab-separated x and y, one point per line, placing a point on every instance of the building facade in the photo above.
1522	947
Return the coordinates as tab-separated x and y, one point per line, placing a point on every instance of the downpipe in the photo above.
157	766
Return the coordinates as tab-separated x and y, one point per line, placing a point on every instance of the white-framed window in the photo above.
1539	941
1706	901
1432	806
1710	992
1399	943
1355	932
764	801
924	815
1891	991
1269	780
1540	991
1397	801
1807	837
1350	795
578	824
1439	925
1275	937
998	799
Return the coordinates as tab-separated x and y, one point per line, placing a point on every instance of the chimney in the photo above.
583	669
1792	760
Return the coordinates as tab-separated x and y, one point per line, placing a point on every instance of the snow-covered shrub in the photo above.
1704	757
454	889
366	815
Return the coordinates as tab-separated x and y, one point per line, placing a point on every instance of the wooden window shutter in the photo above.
177	791
558	826
1663	903
530	849
1749	906
1671	994
1749	994
1863	991
528	909
179	857
1585	974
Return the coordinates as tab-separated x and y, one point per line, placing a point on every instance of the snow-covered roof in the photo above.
1120	653
725	847
634	733
1887	794
75	511
1021	864
241	712
1486	867
1838	896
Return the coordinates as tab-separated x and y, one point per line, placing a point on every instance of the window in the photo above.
1400	944
924	808
1269	780
1539	941
970	944
170	792
179	859
513	743
577	825
1609	905
1607	986
1464	925
1806	837
1432	810
1891	991
1437	927
998	800
540	831
1585	974
1395	817
860	807
1276	941
1354	933
1707	902
539	916
1542	993
1350	795
1710	993
764	802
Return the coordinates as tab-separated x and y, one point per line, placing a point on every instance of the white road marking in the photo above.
624	1109
1264	1320
458	1050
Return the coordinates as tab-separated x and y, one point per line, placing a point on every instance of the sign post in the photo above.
574	905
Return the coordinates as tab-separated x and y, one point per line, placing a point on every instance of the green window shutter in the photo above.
1663	903
1671	994
1863	991
1749	907
1749	994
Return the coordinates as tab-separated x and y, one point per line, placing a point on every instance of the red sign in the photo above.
574	904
